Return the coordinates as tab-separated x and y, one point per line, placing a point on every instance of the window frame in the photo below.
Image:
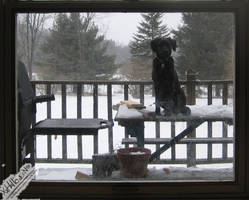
129	189
2	147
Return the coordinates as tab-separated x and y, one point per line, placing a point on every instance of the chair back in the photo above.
26	112
26	105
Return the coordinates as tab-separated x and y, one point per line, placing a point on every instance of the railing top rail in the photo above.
204	82
90	82
103	82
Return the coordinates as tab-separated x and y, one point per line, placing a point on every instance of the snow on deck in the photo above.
155	173
206	112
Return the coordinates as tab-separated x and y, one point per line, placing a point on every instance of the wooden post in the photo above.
210	124
95	115
34	153
224	125
79	115
49	137
64	115
191	100
126	97
141	94
173	134
109	108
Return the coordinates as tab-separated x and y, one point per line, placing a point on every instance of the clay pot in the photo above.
133	161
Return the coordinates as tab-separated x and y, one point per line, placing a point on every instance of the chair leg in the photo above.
32	152
27	147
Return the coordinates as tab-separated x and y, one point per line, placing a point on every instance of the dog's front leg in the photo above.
157	111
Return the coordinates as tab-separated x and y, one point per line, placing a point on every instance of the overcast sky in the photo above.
120	27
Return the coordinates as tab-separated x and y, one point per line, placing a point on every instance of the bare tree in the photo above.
30	28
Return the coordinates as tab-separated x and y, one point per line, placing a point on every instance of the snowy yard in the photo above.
176	172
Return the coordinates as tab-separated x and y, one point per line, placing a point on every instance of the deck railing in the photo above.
223	91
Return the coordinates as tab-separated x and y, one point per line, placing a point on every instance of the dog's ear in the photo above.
173	43
154	44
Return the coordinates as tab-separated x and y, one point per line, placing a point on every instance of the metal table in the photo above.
133	120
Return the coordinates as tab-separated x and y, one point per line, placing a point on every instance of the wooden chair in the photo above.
27	129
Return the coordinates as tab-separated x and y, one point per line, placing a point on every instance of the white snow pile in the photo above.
209	111
124	113
170	173
182	173
199	111
212	110
63	174
137	153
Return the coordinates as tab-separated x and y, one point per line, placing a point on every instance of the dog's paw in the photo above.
157	111
167	113
186	111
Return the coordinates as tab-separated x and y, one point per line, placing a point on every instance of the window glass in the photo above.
119	67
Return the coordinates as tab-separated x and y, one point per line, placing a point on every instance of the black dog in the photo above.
169	95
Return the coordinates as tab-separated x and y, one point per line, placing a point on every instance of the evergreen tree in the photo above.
205	44
76	50
150	28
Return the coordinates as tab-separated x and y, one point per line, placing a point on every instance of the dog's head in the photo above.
163	47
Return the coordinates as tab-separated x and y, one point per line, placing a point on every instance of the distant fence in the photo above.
194	89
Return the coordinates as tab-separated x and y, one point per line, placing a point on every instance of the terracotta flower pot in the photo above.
133	161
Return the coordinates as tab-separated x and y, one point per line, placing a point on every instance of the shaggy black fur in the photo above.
169	95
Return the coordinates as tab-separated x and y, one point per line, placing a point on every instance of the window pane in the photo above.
92	62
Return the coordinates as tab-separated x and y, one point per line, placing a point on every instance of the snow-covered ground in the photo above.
68	171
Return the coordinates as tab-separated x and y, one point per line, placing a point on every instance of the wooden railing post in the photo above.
210	124
126	97
33	122
95	115
110	117
224	125
64	115
79	115
191	100
49	137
